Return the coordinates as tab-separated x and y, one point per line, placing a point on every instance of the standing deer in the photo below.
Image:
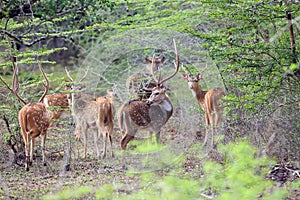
137	82
34	119
89	112
106	120
60	102
208	100
149	115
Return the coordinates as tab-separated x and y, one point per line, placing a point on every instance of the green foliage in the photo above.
242	176
11	132
27	26
105	192
252	47
169	187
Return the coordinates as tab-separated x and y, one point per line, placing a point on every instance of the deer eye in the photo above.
156	93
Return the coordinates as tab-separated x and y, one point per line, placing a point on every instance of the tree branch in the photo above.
34	41
4	83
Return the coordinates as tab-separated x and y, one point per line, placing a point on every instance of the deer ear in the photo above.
200	76
148	61
167	88
184	76
109	93
162	59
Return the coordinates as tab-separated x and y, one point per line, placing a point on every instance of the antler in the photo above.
176	63
205	67
68	74
46	86
15	83
86	72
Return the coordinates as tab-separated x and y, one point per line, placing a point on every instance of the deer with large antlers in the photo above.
90	112
137	82
34	119
149	115
208	100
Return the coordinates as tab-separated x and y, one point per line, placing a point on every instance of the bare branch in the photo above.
4	83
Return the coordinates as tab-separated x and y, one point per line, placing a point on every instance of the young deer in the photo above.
208	100
137	82
106	120
89	112
148	115
34	119
60	102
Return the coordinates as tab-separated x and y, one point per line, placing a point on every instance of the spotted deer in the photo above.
34	119
149	115
58	103
137	82
208	100
92	113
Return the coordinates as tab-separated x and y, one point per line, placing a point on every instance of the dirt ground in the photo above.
16	183
177	137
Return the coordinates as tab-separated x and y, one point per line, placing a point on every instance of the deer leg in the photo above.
27	152
212	136
112	152
125	139
77	130
31	150
157	137
84	130
96	141
217	120
211	123
206	128
44	136
105	134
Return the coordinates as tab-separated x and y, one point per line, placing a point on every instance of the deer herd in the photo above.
150	110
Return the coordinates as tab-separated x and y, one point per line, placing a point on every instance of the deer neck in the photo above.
163	108
198	93
167	105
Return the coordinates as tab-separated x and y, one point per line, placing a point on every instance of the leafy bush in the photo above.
242	175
